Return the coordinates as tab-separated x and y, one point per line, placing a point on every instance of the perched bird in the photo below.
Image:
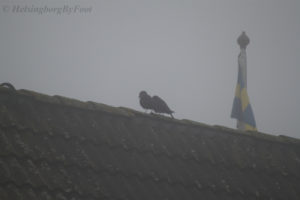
145	100
154	103
159	106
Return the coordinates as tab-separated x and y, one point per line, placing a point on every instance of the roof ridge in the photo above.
128	112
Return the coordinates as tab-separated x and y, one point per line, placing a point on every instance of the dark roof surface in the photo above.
52	147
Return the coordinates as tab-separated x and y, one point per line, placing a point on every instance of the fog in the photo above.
183	51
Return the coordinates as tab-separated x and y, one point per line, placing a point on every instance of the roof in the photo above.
53	147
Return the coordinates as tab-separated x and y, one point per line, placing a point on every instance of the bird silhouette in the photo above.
154	103
145	100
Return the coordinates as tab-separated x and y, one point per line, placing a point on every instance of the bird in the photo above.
154	103
145	100
160	106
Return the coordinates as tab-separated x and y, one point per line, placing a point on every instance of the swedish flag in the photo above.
241	109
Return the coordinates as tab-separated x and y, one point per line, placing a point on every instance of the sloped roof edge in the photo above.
128	112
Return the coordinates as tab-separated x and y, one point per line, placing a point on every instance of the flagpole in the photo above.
243	40
241	107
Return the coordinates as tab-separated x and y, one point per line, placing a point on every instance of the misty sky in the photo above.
184	51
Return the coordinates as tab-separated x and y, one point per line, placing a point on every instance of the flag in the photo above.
241	109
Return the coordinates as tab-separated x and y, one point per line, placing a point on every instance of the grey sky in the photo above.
183	51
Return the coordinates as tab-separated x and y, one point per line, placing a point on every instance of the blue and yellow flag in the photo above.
241	109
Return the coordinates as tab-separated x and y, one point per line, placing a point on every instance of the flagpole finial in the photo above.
243	40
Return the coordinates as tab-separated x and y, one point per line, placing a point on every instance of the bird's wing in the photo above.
160	104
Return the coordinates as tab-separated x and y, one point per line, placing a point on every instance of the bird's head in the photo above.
143	94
